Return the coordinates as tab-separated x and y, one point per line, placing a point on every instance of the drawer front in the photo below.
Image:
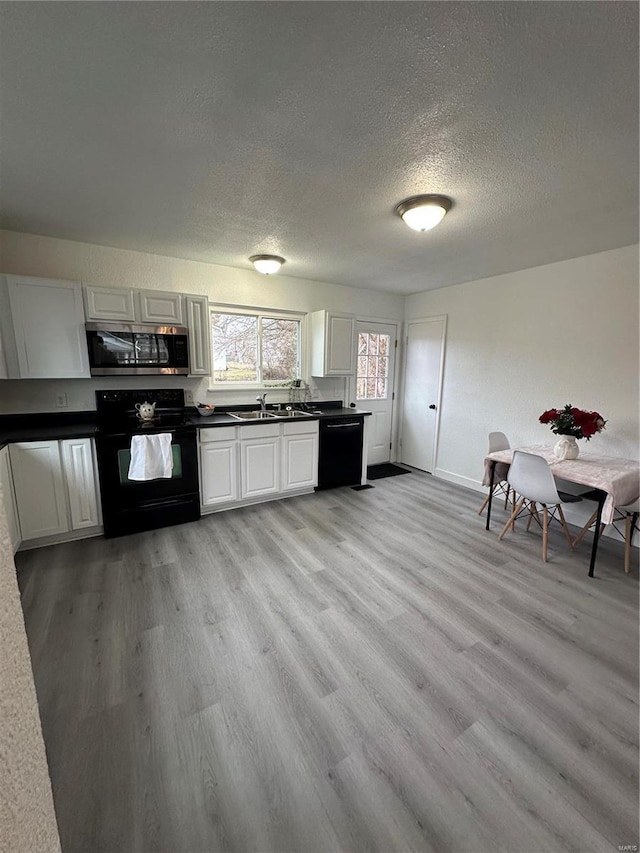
217	434
259	431
301	427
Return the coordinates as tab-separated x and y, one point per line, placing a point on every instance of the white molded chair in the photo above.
530	476
629	514
499	441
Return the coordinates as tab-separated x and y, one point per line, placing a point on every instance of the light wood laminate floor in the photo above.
353	671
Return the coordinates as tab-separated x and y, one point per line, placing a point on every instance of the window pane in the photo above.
373	366
279	349
235	348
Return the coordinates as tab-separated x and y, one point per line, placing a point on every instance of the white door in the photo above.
374	385
422	388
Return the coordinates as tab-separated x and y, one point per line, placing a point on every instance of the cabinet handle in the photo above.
340	426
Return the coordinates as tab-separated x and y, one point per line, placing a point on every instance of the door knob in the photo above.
433	406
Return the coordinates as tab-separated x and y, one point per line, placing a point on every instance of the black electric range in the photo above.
130	506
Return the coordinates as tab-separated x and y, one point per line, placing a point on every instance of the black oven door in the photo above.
130	506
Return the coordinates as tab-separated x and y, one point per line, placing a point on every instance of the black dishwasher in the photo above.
340	458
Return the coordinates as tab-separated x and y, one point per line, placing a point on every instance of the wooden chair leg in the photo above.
628	534
533	513
511	518
584	530
564	527
484	503
545	532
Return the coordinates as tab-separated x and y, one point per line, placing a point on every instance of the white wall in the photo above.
27	818
46	257
520	343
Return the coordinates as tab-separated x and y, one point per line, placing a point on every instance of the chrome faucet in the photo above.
261	399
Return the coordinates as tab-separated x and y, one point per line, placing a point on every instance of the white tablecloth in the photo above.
619	478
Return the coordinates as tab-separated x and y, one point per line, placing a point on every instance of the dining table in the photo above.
610	481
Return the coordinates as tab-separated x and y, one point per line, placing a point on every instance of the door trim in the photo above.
405	341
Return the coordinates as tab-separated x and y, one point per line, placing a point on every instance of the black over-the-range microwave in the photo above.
125	349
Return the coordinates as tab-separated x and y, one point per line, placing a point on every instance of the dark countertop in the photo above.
46	426
220	419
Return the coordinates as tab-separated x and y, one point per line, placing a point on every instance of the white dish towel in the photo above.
151	457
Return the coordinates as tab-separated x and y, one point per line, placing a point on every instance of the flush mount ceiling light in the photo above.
267	264
423	212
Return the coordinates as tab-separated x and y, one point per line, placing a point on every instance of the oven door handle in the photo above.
162	503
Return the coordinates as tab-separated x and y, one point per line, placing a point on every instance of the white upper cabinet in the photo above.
43	328
333	350
198	323
161	307
109	303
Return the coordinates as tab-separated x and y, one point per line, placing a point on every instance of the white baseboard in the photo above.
467	482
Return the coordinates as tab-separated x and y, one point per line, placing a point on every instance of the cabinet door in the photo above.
339	345
260	465
300	461
219	472
199	326
39	488
109	303
48	325
333	344
157	306
79	469
8	498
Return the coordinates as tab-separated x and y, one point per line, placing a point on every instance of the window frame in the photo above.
270	314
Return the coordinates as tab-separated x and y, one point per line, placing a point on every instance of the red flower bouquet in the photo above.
572	421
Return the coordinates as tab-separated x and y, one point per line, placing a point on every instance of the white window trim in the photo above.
278	314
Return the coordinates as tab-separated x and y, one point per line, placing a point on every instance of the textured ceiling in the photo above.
216	130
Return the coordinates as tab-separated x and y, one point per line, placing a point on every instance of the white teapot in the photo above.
146	411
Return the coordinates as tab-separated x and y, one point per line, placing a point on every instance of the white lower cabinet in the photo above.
55	487
9	499
78	462
39	488
260	466
299	455
218	466
254	463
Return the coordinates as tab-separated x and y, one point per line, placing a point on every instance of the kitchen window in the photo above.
255	348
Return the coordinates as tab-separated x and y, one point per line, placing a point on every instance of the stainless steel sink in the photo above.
267	416
252	416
